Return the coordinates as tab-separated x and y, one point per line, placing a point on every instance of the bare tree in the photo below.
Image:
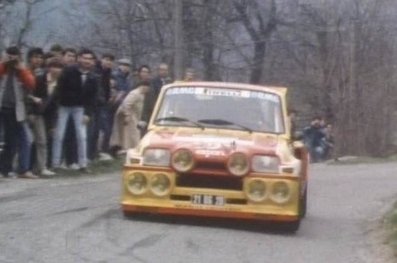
339	57
18	20
259	28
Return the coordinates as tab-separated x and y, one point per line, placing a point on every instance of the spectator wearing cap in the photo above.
44	113
123	78
77	87
15	82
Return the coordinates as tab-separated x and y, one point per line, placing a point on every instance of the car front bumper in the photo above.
237	205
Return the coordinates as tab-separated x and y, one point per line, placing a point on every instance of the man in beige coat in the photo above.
126	134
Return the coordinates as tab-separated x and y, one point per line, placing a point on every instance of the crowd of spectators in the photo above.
63	109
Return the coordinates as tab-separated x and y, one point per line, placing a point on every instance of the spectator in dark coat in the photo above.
101	119
327	142
69	56
144	75
313	136
159	81
77	88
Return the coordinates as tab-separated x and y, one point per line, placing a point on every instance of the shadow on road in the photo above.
231	224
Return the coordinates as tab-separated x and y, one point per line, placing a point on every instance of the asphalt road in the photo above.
78	220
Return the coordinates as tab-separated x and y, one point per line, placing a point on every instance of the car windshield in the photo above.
203	107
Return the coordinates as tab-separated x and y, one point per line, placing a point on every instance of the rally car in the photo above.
218	150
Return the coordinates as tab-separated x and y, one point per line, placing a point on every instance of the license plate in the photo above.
208	200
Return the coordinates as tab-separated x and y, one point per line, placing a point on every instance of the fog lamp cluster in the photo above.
258	190
158	184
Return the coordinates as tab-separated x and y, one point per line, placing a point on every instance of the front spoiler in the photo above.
128	208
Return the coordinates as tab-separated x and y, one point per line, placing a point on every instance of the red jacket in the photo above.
25	76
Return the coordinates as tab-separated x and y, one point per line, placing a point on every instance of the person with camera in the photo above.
16	81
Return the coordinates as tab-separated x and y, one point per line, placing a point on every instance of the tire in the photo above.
303	205
128	215
291	227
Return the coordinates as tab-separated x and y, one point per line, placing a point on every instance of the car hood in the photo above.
213	143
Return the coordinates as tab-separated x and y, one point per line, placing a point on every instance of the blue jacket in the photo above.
123	81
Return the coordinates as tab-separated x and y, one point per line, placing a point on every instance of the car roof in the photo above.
229	85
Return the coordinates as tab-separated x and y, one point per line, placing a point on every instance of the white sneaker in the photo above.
12	175
74	166
105	157
121	152
47	172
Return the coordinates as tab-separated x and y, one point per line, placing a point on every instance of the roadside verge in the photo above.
391	229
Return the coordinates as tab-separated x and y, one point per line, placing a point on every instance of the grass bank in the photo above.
352	160
391	229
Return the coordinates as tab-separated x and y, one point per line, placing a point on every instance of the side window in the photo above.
278	117
272	116
167	108
267	116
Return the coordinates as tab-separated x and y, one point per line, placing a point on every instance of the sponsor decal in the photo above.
225	92
209	153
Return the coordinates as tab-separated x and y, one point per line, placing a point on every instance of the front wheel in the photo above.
291	227
126	214
303	205
129	215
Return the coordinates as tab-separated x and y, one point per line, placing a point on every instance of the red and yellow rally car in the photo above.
218	150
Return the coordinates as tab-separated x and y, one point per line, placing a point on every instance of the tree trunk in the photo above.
258	62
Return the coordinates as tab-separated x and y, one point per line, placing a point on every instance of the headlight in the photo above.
183	161
281	193
156	157
132	157
160	184
256	190
262	164
238	164
137	184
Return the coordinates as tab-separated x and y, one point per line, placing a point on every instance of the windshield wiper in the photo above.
220	122
180	119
